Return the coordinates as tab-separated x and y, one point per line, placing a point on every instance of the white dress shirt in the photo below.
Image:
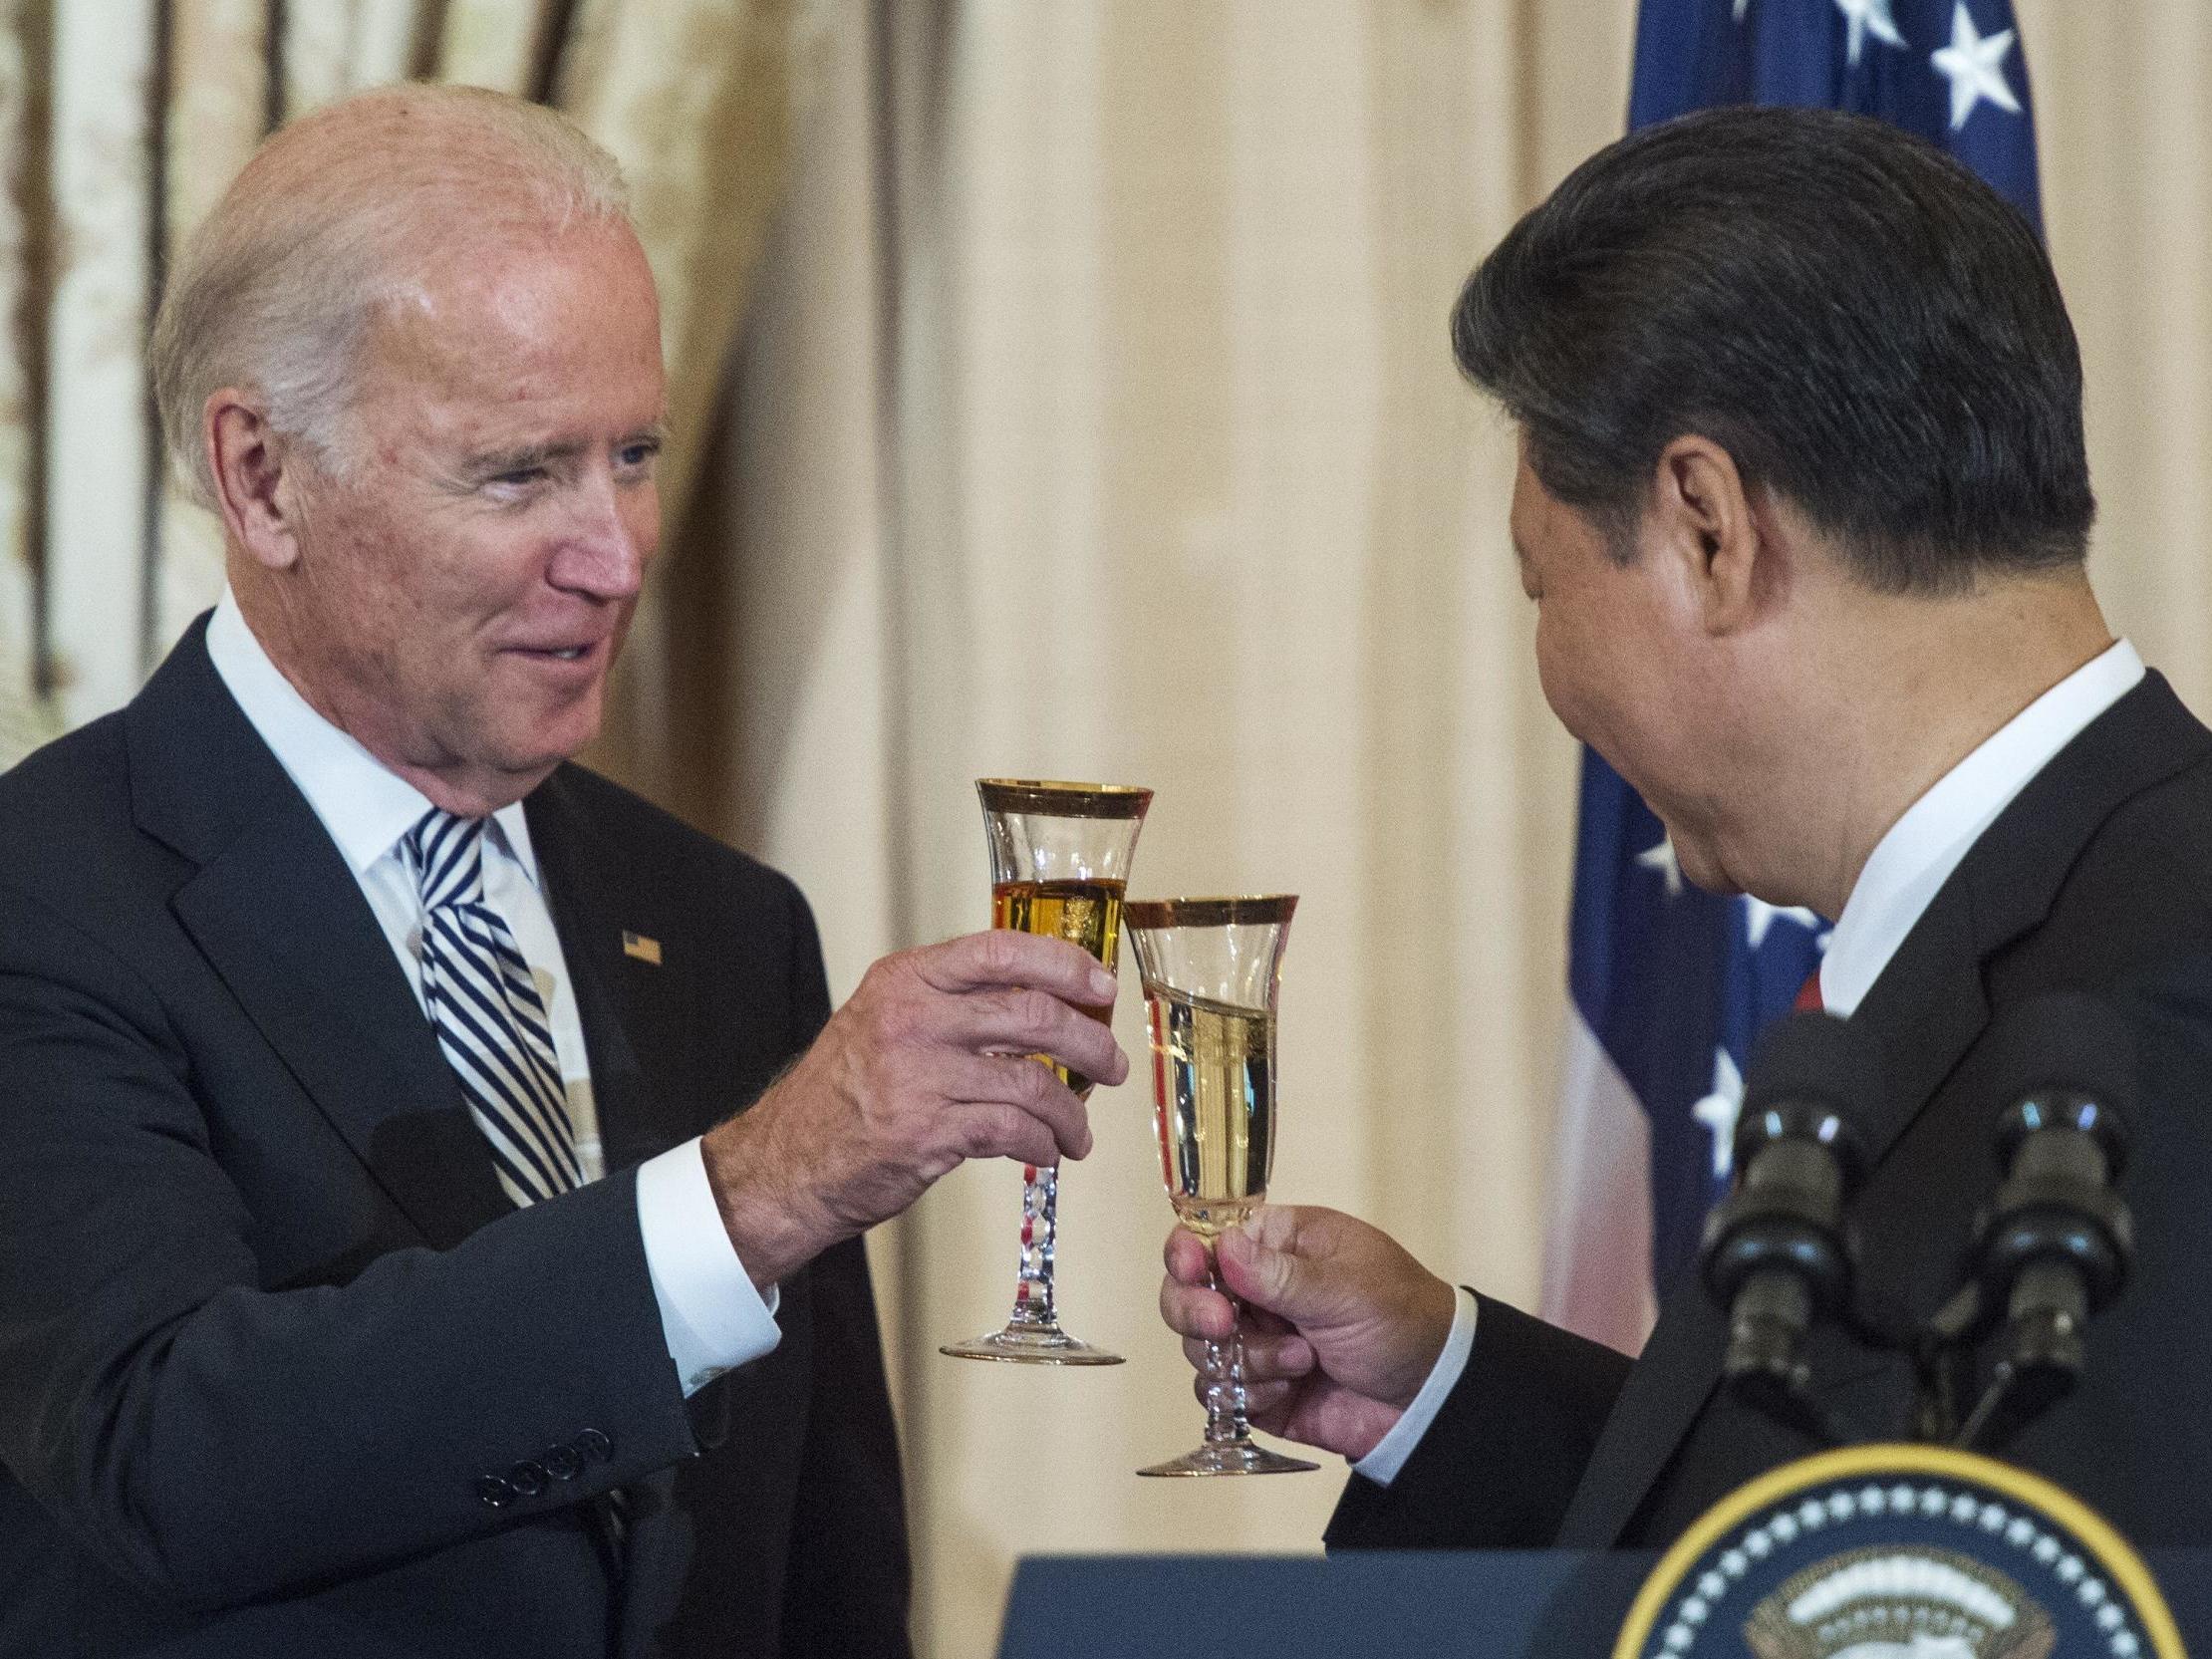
1903	874
712	1316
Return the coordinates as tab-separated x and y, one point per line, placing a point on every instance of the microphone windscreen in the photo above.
1815	1058
2064	1040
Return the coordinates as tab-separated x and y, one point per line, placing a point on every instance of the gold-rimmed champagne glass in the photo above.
1212	974
1059	864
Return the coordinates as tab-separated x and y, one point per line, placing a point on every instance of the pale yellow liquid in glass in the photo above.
1213	1089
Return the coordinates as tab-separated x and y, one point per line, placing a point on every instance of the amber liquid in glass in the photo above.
1082	913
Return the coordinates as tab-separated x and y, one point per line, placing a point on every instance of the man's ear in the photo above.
256	477
1703	517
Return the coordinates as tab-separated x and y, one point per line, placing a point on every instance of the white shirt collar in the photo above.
365	805
1910	863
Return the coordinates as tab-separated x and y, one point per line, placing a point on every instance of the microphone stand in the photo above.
2054	1247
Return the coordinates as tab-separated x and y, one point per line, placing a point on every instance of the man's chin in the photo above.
1701	869
560	730
525	760
1711	877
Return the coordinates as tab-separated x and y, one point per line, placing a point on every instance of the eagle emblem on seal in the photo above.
1899	1603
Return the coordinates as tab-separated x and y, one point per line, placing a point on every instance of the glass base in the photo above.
1232	1458
1038	1344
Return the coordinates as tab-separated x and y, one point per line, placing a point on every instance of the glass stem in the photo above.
1040	1204
1226	1424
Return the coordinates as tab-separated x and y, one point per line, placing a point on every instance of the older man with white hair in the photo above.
430	1178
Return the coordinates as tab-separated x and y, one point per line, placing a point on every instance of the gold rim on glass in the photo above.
1251	909
1062	801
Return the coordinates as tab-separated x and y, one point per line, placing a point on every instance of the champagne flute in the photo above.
1059	863
1213	970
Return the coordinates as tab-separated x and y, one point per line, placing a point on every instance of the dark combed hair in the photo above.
1867	328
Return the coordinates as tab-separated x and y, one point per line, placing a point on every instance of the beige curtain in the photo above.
1154	468
2123	105
1143	459
27	717
122	120
1088	415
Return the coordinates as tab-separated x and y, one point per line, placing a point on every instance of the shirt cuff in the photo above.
1389	1456
713	1317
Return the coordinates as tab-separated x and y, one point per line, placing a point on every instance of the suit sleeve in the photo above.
849	1583
1498	1466
216	1441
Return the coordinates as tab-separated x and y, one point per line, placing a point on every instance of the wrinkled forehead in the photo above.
519	316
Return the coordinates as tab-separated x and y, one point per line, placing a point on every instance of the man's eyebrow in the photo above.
522	458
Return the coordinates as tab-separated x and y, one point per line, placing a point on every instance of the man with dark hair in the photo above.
1803	504
1867	329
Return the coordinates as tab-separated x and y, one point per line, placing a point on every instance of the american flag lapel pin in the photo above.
641	946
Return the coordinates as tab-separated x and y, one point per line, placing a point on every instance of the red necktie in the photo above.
1808	994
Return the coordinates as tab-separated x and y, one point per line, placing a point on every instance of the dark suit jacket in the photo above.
266	1322
2101	867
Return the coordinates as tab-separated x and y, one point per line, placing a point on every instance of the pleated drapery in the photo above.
1143	459
26	718
1062	389
121	122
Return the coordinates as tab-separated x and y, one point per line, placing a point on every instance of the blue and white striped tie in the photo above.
490	1020
491	1024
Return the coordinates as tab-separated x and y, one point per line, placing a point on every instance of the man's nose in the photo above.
606	543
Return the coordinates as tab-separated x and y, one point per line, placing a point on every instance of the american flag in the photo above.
1669	985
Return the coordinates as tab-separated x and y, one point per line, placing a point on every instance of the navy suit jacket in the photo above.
269	1333
2099	870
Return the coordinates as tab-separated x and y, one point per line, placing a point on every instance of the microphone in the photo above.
1777	1254
2056	1243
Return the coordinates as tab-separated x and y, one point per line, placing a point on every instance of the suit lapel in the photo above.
282	921
1927	1008
1666	1389
299	949
1931	1002
635	1010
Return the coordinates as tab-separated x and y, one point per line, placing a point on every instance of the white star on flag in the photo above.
1868	17
1742	6
1719	1111
1661	857
1758	916
1972	64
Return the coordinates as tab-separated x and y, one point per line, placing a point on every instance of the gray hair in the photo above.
326	227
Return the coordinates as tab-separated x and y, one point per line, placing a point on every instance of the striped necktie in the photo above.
491	1024
490	1020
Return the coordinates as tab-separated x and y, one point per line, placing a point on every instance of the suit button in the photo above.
527	1477
594	1446
563	1462
495	1492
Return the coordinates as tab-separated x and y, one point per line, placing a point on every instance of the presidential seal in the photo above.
1900	1553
